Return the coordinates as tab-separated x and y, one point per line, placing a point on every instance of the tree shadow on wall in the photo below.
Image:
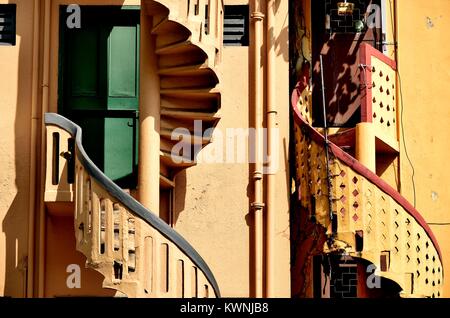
341	78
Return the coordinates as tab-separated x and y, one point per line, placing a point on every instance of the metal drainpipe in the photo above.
45	104
271	117
35	117
258	205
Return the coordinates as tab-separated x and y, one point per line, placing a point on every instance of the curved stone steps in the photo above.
137	253
188	80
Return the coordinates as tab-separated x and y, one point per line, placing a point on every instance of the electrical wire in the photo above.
402	127
404	139
327	148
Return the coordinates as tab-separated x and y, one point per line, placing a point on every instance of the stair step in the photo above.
186	114
156	10
164	26
185	70
168	159
188	82
210	93
165	182
180	47
167	146
171	38
193	139
158	16
344	139
193	105
193	57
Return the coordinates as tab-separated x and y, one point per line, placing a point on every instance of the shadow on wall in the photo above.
15	177
341	75
339	44
280	42
15	222
180	197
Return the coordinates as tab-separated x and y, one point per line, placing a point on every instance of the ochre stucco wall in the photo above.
60	254
282	181
16	70
424	58
212	201
15	120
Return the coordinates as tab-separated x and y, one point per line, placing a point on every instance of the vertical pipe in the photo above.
33	154
257	204
398	101
394	8
45	101
149	109
271	117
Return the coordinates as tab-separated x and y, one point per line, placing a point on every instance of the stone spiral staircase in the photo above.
188	46
367	219
138	254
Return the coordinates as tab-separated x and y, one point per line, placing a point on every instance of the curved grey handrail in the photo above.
127	200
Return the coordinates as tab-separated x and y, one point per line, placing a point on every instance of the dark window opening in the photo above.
55	168
359	241
384	261
335	276
350	22
236	25
70	157
8	24
118	270
344	279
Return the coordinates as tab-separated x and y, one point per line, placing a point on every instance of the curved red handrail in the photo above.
364	171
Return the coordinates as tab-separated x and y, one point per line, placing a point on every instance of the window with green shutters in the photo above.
99	86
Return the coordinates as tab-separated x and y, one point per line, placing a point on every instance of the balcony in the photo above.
362	215
137	253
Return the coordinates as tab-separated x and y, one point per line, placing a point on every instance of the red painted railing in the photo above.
365	203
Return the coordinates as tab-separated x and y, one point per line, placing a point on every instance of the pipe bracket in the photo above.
258	205
257	15
257	175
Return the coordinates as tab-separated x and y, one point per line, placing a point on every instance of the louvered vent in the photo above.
7	24
236	28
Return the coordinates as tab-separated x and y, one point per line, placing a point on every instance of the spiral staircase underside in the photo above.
188	82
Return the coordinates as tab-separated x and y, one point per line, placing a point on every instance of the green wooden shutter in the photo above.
100	79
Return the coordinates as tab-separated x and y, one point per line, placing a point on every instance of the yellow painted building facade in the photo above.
244	222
